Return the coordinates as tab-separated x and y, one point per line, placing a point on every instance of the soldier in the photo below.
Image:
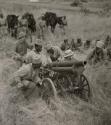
41	27
107	41
21	48
97	54
87	44
54	53
35	52
69	56
73	45
28	75
23	24
77	70
79	42
65	44
109	53
2	25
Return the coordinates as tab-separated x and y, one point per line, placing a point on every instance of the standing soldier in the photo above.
42	26
2	25
23	25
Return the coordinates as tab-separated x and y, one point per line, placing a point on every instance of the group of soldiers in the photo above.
31	57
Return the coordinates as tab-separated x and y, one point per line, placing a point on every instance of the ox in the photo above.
30	23
52	20
12	23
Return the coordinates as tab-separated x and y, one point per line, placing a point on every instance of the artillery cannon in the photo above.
67	64
67	77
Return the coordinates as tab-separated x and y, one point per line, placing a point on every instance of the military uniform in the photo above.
33	54
69	56
57	52
109	53
2	27
65	45
30	55
27	75
97	54
21	49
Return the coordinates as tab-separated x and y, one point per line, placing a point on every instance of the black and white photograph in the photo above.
55	62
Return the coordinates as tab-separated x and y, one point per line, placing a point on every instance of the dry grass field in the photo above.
87	25
68	111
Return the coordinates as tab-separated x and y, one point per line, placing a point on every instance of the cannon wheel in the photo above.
48	89
84	88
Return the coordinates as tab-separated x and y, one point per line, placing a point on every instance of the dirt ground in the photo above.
16	110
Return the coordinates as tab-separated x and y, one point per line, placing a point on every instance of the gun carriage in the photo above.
65	77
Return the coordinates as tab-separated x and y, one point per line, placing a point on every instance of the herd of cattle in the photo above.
28	22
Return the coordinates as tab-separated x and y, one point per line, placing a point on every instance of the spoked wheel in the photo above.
84	88
48	89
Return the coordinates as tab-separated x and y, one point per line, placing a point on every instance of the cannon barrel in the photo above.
68	64
62	69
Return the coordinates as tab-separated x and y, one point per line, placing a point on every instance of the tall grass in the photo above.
67	111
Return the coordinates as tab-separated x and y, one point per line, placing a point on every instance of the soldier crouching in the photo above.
27	77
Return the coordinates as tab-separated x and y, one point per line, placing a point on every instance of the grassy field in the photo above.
66	111
89	26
